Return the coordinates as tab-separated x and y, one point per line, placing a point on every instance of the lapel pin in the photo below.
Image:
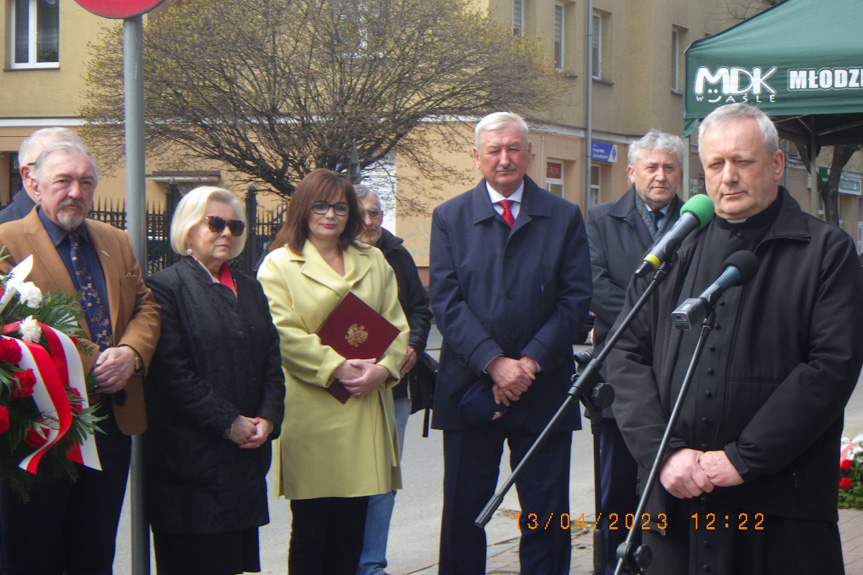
107	255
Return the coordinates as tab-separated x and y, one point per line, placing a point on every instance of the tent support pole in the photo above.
813	175
687	193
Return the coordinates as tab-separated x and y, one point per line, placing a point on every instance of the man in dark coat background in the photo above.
749	484
24	200
414	302
620	233
510	288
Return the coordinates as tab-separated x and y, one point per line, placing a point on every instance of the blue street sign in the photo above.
603	152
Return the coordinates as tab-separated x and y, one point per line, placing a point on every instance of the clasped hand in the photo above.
689	473
250	432
361	376
511	377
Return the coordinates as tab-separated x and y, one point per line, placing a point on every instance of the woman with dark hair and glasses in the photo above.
333	455
215	397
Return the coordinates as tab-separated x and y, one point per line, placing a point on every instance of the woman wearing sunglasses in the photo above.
215	397
334	455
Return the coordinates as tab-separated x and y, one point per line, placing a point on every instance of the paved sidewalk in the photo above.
503	557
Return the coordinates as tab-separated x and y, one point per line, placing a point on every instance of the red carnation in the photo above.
26	381
845	483
4	419
9	351
62	372
34	439
846	464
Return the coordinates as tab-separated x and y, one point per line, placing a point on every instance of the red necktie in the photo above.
507	213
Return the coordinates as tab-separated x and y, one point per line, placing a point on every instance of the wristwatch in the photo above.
139	363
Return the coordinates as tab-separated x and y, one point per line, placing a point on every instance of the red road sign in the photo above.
119	8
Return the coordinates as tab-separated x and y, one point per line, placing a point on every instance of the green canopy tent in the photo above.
800	61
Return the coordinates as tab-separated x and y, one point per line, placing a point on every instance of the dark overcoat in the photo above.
20	206
218	358
513	292
795	358
618	241
412	297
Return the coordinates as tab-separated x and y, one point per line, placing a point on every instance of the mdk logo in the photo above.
733	84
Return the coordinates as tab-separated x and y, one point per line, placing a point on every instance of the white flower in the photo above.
30	330
29	294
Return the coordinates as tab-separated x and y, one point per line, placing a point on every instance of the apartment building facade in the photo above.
635	49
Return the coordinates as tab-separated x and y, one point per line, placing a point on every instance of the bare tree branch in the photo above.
276	88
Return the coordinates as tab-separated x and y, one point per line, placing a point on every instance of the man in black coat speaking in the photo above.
749	484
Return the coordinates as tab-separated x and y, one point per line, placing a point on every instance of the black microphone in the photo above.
739	268
694	214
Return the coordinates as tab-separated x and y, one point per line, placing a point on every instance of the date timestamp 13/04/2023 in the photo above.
704	521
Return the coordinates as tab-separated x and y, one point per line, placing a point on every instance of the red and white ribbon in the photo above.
50	396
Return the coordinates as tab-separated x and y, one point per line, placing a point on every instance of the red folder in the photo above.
355	331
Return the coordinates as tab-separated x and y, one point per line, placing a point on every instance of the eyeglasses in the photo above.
374	214
339	208
217	225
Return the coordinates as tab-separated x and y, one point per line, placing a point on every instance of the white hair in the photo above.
190	211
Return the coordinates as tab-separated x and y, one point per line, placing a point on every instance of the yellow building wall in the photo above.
56	92
633	95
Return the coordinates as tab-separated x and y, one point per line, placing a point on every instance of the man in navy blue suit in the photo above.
510	288
620	233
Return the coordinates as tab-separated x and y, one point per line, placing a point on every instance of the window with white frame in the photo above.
554	177
596	46
593	198
558	36
34	33
517	17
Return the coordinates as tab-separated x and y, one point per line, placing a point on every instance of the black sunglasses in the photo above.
339	208
217	225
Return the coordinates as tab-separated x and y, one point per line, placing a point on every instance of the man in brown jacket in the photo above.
72	526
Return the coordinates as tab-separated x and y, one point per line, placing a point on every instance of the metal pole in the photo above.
133	81
588	92
686	169
813	176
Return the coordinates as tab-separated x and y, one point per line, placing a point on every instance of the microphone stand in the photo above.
595	396
638	557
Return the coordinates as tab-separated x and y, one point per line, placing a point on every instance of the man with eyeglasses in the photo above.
414	302
510	288
73	525
24	200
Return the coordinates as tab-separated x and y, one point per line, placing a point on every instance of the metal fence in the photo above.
262	225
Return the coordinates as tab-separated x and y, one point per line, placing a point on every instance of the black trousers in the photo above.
471	464
327	535
68	526
618	488
705	537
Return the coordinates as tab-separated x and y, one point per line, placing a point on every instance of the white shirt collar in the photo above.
495	196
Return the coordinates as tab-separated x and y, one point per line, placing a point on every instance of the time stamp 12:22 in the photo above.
704	521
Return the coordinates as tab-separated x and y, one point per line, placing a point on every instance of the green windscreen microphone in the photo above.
694	215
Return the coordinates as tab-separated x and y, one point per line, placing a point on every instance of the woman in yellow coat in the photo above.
333	455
